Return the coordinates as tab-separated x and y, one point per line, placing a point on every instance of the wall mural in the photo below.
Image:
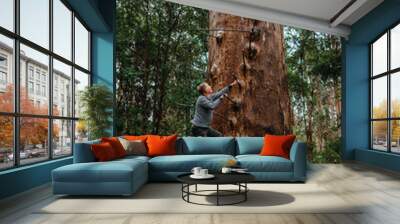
284	80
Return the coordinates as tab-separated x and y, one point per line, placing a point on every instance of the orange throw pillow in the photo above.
277	145
103	152
161	145
116	145
135	137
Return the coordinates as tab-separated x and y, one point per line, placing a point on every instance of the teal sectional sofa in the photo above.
125	176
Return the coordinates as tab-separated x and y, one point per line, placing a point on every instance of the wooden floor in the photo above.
377	188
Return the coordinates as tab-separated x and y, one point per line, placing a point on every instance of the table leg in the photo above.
188	190
182	189
245	193
196	187
217	194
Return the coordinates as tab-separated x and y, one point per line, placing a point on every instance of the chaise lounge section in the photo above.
88	177
125	176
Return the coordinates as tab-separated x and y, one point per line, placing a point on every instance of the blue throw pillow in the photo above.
208	145
249	145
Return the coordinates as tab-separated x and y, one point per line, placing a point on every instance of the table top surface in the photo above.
220	178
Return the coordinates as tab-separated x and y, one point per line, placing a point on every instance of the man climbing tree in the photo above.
205	105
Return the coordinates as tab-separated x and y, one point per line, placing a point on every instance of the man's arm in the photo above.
224	90
209	104
221	92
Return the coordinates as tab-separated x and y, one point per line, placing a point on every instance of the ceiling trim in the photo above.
362	11
269	15
347	11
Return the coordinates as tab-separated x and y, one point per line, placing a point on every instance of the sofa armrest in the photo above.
298	155
83	152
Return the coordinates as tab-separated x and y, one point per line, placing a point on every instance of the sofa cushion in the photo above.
83	152
133	158
277	145
112	171
135	137
257	163
249	145
103	152
135	147
116	145
185	163
207	145
161	145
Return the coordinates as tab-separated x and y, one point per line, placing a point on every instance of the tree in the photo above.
252	51
81	130
161	57
97	103
314	70
379	128
6	122
33	131
6	132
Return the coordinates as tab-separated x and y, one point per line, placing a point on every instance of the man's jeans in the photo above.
205	132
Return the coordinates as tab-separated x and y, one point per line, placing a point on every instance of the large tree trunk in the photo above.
252	51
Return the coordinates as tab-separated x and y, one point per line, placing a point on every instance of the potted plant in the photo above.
96	102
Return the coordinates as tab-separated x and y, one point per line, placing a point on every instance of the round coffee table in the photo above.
238	179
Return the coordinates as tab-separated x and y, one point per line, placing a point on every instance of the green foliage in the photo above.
330	154
314	71
161	57
97	103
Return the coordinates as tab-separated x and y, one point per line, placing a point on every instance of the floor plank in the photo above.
378	190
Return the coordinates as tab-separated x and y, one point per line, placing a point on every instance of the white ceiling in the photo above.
316	15
321	9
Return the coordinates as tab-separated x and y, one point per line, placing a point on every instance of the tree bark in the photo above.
252	51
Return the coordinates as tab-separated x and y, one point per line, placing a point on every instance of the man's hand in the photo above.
237	82
234	82
223	96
